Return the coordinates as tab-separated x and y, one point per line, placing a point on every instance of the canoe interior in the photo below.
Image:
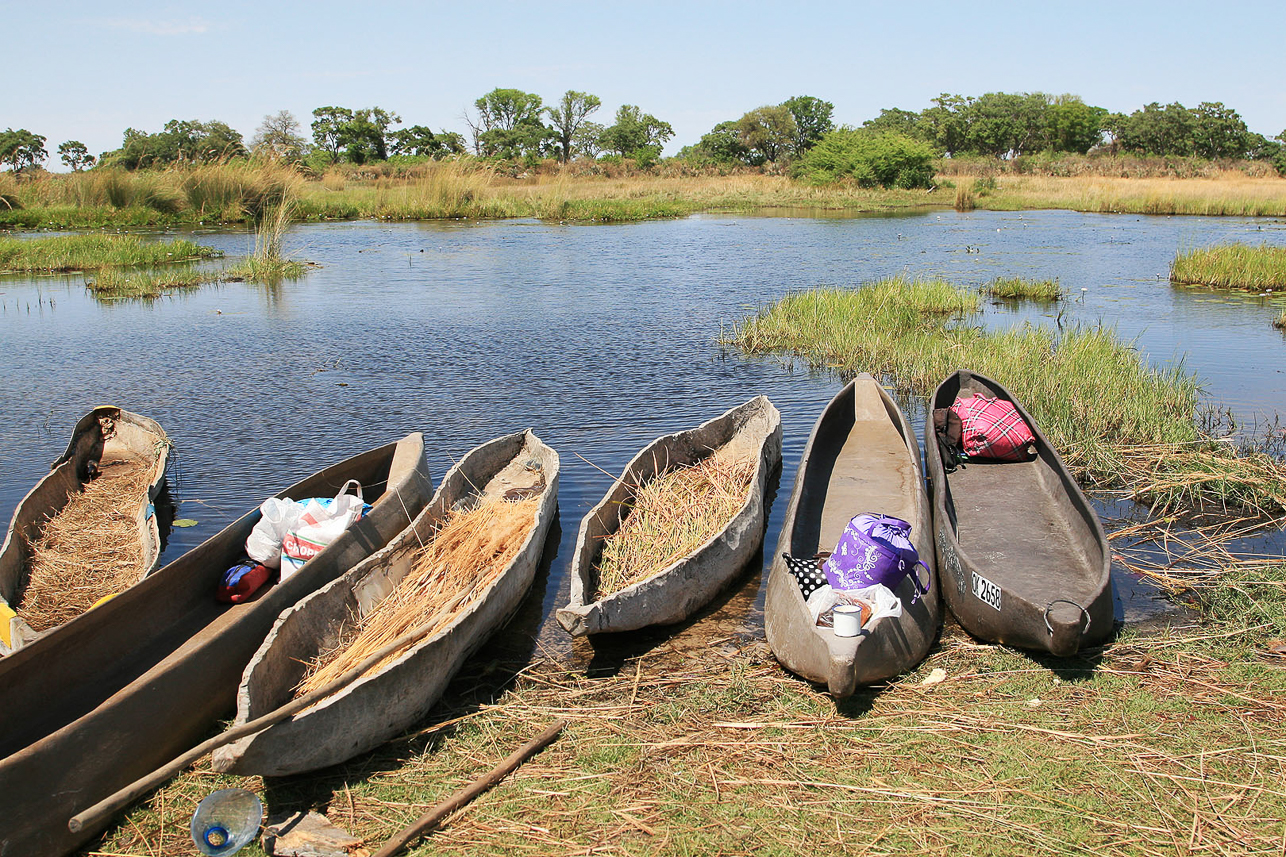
70	672
862	457
386	701
320	625
1026	527
133	440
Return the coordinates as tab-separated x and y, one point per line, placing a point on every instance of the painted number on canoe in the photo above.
986	591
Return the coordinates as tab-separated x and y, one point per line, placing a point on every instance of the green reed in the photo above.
1232	266
1020	288
113	283
1116	420
84	252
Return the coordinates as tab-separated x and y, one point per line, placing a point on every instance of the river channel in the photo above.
600	337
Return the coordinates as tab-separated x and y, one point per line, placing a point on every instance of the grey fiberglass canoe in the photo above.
862	458
1023	557
686	585
105	438
381	704
124	688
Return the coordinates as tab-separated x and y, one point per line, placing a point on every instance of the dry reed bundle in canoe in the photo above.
671	516
465	556
91	548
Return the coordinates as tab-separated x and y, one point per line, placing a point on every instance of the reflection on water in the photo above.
599	337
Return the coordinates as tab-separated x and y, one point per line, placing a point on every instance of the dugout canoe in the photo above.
384	702
105	440
122	689
1023	557
682	588
861	458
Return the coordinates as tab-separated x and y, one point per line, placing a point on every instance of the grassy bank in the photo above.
1147	440
240	193
94	252
1232	266
1158	744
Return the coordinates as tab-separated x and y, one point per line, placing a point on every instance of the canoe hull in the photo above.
120	690
683	588
134	436
378	707
862	457
1023	556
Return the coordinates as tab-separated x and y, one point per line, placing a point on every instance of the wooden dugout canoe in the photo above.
679	590
383	703
1023	557
105	439
118	691
862	458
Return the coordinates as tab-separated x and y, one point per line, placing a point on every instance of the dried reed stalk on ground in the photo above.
90	549
672	515
454	570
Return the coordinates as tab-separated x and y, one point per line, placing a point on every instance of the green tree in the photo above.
869	159
894	120
279	136
1160	130
328	129
1073	125
943	125
812	120
768	133
180	141
21	149
74	155
365	136
569	117
721	145
1003	124
509	125
418	140
1219	131
636	135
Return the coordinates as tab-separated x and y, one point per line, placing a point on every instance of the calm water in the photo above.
598	337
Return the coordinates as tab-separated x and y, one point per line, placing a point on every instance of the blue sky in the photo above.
87	71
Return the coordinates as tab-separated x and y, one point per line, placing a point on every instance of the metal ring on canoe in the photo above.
1050	606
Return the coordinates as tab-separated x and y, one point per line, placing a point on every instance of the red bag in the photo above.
242	581
993	429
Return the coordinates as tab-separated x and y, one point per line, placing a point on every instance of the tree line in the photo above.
515	125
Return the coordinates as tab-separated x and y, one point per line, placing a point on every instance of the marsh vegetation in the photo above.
1232	266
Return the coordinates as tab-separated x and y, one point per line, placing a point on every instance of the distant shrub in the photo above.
869	159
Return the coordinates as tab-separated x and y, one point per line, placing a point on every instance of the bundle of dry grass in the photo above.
671	516
90	549
454	570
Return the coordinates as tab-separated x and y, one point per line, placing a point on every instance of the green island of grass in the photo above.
1232	266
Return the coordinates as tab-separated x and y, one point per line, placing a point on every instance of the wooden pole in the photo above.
471	791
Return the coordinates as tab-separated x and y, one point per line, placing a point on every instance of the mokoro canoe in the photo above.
1023	557
383	703
105	439
862	458
679	590
122	689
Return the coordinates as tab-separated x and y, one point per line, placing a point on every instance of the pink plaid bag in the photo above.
993	428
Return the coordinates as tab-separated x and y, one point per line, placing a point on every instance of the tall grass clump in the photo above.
88	252
267	264
1020	288
1280	321
1232	266
1116	420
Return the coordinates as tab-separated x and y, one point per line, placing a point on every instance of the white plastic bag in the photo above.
321	522
276	517
880	598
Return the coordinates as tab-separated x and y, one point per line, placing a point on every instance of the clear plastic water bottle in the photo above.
226	821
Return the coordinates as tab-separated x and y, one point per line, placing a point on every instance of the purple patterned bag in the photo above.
875	549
